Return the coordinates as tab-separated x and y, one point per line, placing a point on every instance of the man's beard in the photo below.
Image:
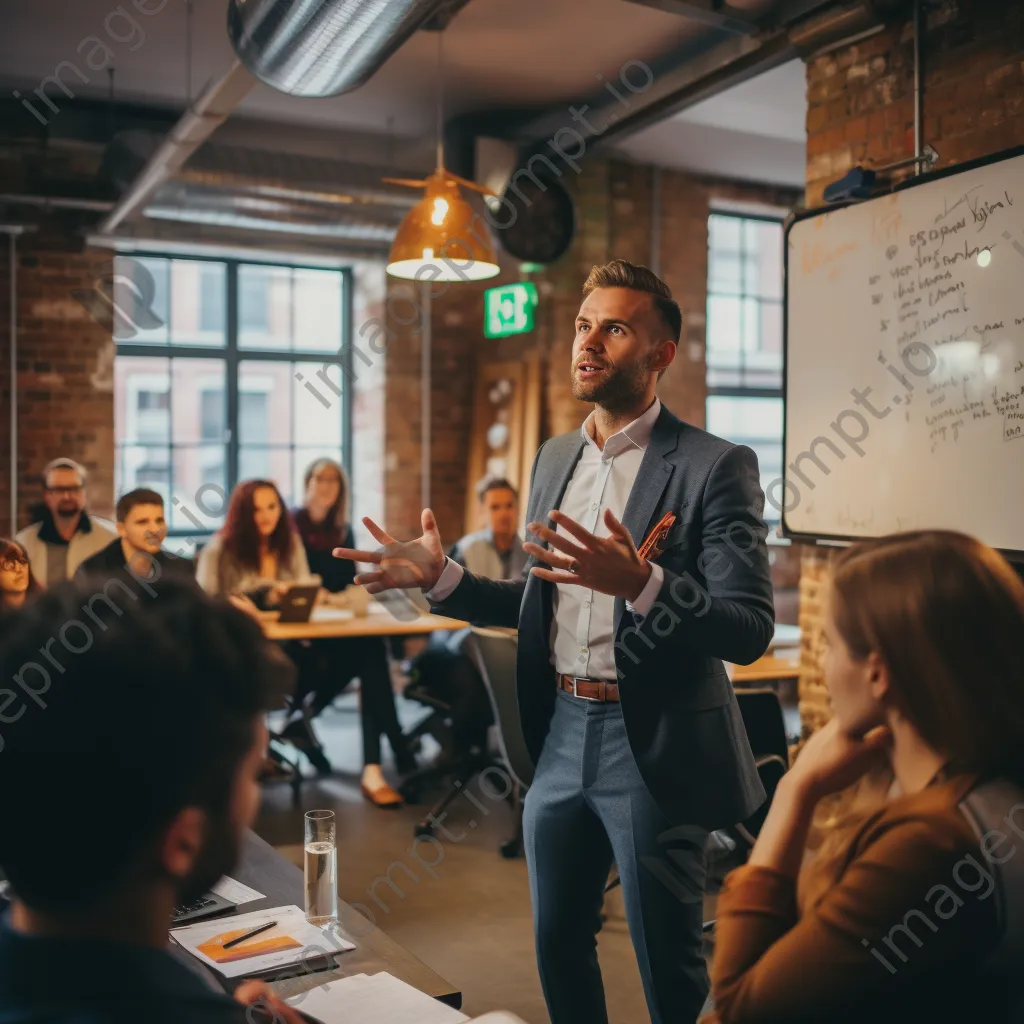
218	856
68	511
620	389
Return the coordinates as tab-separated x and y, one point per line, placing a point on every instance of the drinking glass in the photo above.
321	864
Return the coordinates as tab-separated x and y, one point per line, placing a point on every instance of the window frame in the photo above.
230	355
744	390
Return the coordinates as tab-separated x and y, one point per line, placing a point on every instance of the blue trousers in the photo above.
587	808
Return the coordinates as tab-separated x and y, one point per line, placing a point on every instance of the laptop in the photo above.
297	602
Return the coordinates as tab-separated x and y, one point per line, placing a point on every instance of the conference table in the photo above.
262	868
332	623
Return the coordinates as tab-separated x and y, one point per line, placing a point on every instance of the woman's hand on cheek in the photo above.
831	760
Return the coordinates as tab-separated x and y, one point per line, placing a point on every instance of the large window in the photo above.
744	337
210	380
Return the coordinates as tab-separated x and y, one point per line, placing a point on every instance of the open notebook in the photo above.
372	998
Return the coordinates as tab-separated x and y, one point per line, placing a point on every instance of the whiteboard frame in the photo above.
837	539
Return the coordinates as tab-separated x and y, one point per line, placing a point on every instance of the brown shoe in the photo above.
384	796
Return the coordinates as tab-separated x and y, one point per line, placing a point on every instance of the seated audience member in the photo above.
66	534
495	551
141	531
16	581
331	665
168	699
322	522
925	667
255	549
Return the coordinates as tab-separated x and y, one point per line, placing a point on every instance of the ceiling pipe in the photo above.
319	48
208	113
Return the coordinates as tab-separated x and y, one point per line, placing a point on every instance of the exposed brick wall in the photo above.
65	384
861	110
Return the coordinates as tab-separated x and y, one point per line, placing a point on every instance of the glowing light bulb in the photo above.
440	212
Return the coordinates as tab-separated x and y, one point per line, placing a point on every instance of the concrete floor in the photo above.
470	921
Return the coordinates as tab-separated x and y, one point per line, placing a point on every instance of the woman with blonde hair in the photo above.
925	667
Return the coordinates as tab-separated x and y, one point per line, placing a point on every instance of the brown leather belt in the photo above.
589	689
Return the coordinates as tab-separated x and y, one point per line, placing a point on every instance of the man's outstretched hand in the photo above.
401	564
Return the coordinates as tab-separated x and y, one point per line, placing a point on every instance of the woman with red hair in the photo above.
256	548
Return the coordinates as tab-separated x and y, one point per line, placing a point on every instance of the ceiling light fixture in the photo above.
442	238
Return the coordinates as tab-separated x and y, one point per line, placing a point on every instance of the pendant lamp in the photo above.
442	238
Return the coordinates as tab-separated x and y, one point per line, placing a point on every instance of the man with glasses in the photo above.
66	534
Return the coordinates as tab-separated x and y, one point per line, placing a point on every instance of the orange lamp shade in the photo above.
443	238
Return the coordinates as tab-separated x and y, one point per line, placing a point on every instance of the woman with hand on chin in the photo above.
16	582
925	668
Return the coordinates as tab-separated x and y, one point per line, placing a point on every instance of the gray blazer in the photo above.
680	712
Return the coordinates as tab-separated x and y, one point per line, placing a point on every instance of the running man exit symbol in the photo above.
509	309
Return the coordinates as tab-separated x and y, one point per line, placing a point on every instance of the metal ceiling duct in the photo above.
321	47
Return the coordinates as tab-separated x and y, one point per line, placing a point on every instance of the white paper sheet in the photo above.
370	999
231	889
290	941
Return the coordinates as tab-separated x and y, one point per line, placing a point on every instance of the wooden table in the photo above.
266	871
338	622
767	668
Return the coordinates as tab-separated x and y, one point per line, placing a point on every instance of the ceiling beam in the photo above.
709	12
715	61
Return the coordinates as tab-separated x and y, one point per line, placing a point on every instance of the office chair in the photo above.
766	730
989	807
494	652
464	753
765	724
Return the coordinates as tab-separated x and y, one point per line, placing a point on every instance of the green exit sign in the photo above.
509	309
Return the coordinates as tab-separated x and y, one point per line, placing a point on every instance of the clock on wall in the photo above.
545	217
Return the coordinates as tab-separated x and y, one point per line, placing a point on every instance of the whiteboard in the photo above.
905	361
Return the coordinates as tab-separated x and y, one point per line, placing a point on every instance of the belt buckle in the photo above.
578	695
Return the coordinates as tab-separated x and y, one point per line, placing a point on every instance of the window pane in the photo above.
755	422
197	306
140	298
723	331
143	466
264	307
318	410
724	233
200	486
142	412
317	310
724	273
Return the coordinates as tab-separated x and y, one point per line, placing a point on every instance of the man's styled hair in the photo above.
494	483
152	710
622	274
140	496
63	463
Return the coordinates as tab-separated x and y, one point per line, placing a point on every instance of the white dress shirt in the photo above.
583	624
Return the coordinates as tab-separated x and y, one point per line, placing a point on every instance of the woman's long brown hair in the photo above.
240	539
945	613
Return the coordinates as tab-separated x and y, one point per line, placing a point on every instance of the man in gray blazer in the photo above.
626	706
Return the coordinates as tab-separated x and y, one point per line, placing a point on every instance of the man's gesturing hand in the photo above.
402	564
609	565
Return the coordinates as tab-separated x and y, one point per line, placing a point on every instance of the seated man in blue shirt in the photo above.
128	780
